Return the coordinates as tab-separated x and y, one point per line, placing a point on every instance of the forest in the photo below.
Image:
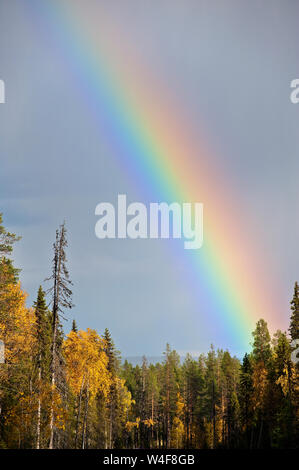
73	391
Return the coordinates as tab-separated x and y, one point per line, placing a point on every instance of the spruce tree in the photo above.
7	239
43	330
261	342
113	368
112	353
74	327
294	333
294	325
43	356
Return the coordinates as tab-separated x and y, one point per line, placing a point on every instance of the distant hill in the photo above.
137	360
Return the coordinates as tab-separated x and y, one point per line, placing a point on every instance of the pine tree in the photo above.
170	391
229	399
282	413
294	333
8	273
261	342
262	356
192	386
246	390
210	399
294	325
153	398
7	239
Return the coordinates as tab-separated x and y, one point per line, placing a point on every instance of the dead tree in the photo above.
61	299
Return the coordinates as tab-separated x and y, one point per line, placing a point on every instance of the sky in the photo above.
228	65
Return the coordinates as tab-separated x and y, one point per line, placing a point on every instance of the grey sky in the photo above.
231	64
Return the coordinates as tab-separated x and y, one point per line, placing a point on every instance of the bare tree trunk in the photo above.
61	295
214	418
38	410
55	320
260	434
168	406
106	434
79	412
152	431
84	433
110	426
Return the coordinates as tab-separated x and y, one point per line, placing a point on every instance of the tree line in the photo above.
73	391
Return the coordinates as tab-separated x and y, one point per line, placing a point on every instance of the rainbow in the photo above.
154	141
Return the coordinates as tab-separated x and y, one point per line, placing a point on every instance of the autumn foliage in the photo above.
98	401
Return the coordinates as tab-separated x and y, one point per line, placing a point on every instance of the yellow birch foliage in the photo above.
86	363
17	328
16	325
